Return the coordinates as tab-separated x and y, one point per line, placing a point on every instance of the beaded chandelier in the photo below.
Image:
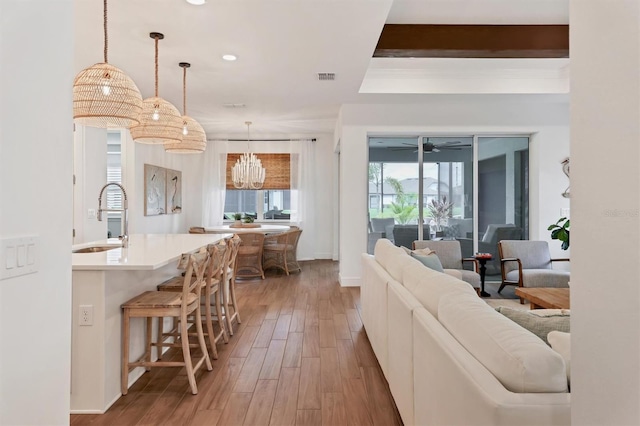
248	172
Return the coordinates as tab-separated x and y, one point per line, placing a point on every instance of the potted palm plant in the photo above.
440	211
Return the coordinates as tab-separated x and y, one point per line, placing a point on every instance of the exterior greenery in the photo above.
404	208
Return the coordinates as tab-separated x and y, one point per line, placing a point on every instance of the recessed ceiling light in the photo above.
196	2
229	57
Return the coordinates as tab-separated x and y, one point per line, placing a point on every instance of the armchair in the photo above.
489	243
529	264
380	228
405	235
450	255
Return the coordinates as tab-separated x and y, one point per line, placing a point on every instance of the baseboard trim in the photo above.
324	256
349	281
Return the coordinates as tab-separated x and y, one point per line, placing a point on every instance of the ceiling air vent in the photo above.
322	76
234	105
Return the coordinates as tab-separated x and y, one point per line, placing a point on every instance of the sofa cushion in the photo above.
393	259
561	343
539	321
431	261
517	358
428	286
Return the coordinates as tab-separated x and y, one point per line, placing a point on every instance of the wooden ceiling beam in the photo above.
473	41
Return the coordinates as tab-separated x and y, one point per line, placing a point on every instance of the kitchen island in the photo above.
101	282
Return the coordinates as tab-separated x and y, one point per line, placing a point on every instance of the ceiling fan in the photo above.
429	147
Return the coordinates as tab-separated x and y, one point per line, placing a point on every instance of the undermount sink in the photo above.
94	249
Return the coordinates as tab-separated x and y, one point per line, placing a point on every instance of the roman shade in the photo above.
277	166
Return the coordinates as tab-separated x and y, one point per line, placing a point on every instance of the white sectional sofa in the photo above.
451	359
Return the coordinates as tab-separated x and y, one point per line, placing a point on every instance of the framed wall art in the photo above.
174	191
155	190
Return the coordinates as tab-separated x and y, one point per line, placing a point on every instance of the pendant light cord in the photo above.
156	39
106	37
184	91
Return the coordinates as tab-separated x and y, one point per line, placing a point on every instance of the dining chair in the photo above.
249	258
280	251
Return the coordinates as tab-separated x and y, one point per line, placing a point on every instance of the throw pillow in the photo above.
431	261
538	323
423	251
561	343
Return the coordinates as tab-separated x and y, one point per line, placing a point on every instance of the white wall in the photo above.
324	201
605	203
136	156
36	148
90	170
545	117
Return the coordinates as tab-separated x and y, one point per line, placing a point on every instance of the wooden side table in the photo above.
482	259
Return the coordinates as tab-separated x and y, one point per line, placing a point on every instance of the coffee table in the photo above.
549	298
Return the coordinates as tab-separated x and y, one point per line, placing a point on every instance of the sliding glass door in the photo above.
503	193
435	181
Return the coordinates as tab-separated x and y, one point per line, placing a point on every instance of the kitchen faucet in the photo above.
125	217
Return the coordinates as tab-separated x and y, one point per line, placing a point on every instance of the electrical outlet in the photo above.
86	315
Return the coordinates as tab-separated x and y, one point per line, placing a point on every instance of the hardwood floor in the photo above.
300	357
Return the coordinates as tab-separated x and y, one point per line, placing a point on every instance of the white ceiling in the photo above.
281	46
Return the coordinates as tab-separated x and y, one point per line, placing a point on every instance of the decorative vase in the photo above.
237	223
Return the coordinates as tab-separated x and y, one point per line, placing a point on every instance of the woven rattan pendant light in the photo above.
160	121
103	95
194	139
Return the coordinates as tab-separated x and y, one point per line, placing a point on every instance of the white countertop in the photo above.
145	251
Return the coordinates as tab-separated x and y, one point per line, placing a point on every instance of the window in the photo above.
273	201
262	205
114	174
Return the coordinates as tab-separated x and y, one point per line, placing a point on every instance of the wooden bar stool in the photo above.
229	284
159	304
211	298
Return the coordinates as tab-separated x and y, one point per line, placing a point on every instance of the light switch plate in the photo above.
18	256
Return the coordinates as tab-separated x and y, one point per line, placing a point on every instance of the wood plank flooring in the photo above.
300	357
